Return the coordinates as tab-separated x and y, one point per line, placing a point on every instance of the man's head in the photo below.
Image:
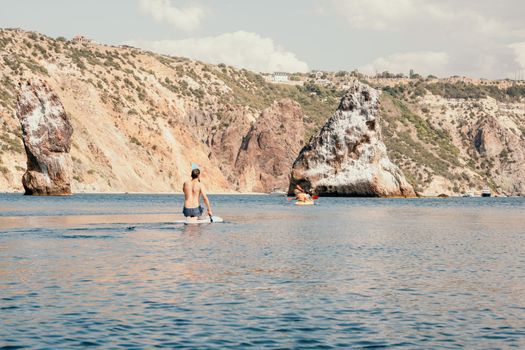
195	173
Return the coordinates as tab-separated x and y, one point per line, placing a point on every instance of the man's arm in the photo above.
206	200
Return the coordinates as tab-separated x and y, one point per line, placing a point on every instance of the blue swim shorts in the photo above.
193	212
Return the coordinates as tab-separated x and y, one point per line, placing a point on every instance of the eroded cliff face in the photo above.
141	119
270	146
347	156
500	145
457	145
46	131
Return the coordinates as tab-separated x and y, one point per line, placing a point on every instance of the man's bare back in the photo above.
193	190
192	193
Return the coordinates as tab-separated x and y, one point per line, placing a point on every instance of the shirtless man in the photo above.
301	195
193	190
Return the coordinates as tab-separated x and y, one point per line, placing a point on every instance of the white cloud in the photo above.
475	36
425	63
375	14
519	52
240	49
188	18
473	16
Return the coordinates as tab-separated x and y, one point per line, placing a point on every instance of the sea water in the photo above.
113	271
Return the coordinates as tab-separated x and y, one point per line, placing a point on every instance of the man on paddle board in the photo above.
193	190
301	195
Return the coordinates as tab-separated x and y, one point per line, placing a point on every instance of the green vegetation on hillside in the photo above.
431	148
317	102
7	92
456	90
10	144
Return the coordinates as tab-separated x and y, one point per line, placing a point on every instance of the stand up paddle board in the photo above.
305	203
205	220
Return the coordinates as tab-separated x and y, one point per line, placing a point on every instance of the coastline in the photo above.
155	193
252	194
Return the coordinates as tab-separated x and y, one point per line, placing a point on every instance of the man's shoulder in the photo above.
192	184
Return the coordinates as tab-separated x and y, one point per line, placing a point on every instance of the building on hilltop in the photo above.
81	39
323	82
319	75
16	30
280	77
124	46
277	77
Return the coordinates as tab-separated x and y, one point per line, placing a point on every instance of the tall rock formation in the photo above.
268	150
46	132
347	157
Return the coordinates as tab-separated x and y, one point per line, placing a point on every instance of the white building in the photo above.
323	82
280	77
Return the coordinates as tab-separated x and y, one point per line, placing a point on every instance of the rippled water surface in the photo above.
113	271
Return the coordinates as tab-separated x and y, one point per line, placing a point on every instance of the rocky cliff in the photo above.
140	119
347	156
502	147
268	150
456	145
46	131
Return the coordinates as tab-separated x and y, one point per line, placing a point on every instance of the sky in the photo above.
475	38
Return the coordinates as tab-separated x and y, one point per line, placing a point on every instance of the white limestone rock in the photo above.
347	157
46	132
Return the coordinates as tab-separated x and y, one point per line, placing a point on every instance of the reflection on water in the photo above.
114	271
